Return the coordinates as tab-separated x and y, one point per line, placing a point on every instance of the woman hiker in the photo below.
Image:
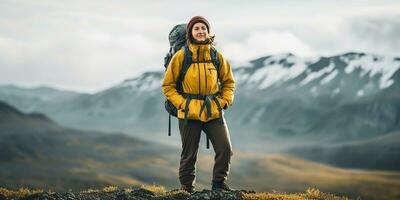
201	103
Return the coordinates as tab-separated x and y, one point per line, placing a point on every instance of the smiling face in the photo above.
200	32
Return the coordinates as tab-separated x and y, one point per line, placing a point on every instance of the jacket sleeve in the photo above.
227	83
171	78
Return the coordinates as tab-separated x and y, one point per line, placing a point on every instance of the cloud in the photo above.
368	31
267	42
84	60
380	34
90	46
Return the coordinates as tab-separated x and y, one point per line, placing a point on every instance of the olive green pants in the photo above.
218	134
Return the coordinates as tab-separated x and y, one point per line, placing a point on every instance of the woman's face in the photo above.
200	32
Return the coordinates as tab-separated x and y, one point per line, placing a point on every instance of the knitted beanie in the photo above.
192	22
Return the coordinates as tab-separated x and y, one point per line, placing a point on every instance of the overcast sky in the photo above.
92	45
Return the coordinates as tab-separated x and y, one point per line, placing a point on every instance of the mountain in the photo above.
14	121
29	99
379	153
344	97
37	153
349	96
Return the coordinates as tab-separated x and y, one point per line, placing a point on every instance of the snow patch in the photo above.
317	74
147	83
360	93
277	73
241	76
335	92
385	66
328	78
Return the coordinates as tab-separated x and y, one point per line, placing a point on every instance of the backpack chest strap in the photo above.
206	104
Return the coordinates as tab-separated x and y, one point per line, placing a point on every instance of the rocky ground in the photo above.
159	193
139	194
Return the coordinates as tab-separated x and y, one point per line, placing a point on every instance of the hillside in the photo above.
29	99
35	152
379	153
285	173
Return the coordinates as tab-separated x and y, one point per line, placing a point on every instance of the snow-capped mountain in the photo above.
348	96
274	70
351	75
352	95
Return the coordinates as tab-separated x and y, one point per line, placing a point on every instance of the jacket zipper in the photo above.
205	71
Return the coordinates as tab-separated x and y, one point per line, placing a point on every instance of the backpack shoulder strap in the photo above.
215	60
187	61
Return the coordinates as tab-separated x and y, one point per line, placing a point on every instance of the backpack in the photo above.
177	41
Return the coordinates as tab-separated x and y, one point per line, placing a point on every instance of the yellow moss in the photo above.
313	192
128	189
111	188
50	192
271	196
158	190
177	192
90	190
19	193
310	193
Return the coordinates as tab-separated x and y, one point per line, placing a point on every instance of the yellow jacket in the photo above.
201	78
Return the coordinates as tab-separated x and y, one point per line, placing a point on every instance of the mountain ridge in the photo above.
277	96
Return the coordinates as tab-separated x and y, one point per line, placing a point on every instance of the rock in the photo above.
125	196
142	194
70	196
216	195
174	195
37	196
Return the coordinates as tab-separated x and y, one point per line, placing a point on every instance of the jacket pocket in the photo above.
212	78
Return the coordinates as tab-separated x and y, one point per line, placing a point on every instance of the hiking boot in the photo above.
221	185
189	189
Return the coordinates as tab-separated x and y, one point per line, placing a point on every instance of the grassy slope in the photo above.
279	173
287	173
